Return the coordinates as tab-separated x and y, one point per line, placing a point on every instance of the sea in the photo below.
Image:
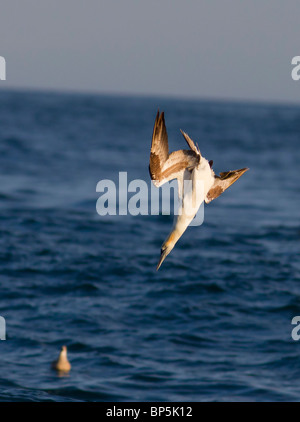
216	323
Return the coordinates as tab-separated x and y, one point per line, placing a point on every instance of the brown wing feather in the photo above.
223	182
164	166
190	142
178	161
159	147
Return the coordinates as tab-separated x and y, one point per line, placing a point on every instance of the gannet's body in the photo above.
62	364
197	181
202	174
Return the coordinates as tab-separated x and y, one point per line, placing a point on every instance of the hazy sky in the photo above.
204	48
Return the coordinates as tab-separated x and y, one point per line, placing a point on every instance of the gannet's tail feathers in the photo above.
164	166
223	182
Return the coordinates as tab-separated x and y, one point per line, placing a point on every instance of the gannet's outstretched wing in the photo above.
223	182
164	166
194	147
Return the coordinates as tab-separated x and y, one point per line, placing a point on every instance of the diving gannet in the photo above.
185	165
62	364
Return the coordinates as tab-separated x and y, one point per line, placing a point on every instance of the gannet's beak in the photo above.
167	246
164	253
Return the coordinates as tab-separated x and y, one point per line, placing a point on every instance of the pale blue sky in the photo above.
201	48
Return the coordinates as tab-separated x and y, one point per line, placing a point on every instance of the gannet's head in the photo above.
63	351
166	249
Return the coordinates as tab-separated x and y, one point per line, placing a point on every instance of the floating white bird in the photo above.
185	165
62	364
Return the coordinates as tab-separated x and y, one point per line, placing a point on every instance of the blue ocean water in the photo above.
214	323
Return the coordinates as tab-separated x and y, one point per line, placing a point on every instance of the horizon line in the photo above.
71	91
